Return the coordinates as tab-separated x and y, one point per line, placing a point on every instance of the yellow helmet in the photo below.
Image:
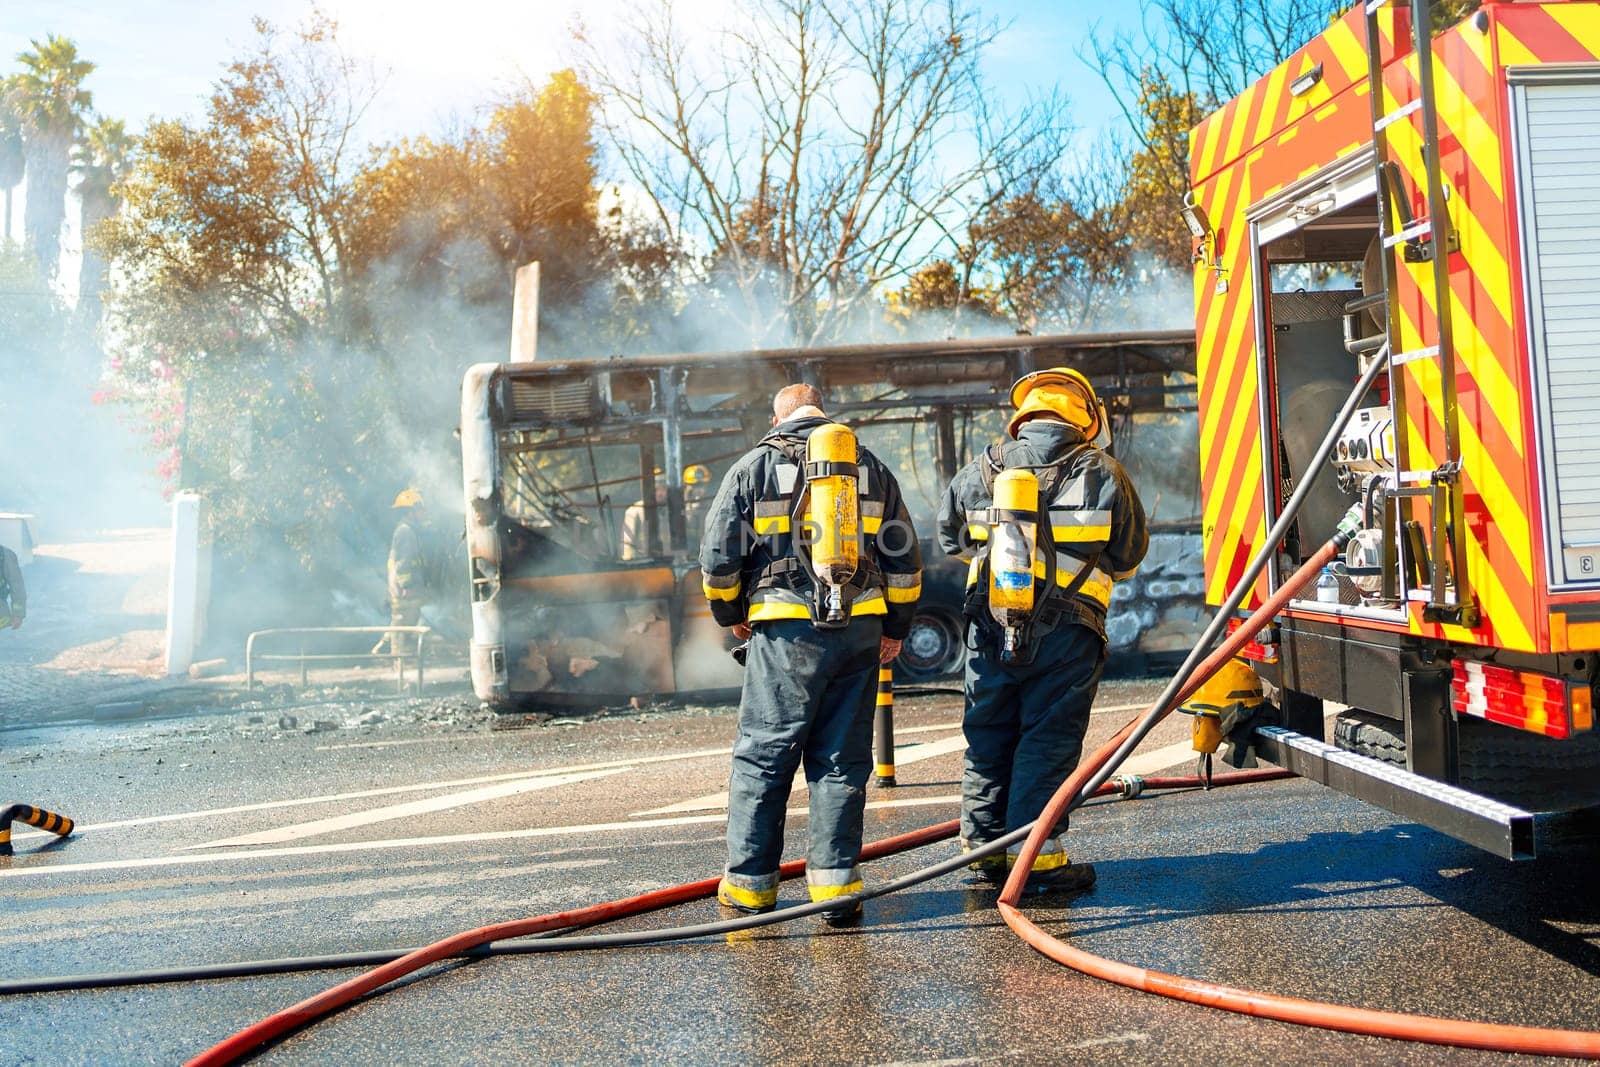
696	474
408	498
1060	392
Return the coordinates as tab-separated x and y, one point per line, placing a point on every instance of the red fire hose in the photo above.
331	1000
1424	1028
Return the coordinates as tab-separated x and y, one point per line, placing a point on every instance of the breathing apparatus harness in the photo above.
829	603
1019	643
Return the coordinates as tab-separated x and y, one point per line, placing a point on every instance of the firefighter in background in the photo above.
408	571
1033	674
13	593
696	500
635	535
814	645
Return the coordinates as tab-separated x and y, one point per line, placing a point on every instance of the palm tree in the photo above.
100	160
11	163
50	99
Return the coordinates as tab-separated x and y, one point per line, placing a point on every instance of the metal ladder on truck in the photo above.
1414	241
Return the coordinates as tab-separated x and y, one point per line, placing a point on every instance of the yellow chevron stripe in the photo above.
1499	607
1491	484
1513	53
1458	111
1235	533
1487	263
1243	403
1580	20
1349	51
1499	392
1270	96
1209	135
1211	357
1238	121
1483	256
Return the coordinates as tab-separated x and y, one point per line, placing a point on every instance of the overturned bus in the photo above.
582	527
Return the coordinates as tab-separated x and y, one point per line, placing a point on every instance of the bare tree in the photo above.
1187	58
820	150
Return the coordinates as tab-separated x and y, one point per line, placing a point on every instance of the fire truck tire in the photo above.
1370	735
1532	771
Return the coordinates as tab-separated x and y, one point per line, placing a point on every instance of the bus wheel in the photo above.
936	645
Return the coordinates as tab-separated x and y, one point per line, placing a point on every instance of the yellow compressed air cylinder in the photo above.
835	513
1011	547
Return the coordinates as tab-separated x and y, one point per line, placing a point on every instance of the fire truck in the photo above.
1429	199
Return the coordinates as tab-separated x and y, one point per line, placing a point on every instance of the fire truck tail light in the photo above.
1527	700
1582	707
1264	649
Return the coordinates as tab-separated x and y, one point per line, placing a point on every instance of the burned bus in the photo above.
585	483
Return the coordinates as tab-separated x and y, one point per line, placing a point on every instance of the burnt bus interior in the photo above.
581	443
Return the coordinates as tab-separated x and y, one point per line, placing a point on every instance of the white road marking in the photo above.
1131	1037
407	741
1158	759
1161	758
416	842
902	757
420	787
335	823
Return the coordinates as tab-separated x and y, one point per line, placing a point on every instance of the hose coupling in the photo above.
1130	785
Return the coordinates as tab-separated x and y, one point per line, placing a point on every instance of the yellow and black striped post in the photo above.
883	727
47	821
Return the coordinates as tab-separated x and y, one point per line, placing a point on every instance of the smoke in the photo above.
68	455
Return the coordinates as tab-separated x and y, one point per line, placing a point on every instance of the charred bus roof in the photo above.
1129	368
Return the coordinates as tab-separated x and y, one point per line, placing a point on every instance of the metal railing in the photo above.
302	657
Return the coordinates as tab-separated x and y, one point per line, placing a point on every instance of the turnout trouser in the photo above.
1025	727
808	700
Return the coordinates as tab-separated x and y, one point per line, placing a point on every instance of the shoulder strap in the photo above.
995	460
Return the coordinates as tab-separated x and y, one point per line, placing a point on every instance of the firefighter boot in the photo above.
748	896
989	870
1073	878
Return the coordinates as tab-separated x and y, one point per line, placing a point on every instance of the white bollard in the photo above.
187	583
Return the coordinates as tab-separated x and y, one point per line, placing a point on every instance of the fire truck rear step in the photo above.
1506	831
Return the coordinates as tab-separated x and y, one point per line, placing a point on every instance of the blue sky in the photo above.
158	57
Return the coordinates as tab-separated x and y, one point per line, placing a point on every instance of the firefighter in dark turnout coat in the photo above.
809	690
1025	720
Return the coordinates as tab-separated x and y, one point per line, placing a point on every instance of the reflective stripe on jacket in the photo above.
1093	513
747	555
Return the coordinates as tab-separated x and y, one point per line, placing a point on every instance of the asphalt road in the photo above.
212	839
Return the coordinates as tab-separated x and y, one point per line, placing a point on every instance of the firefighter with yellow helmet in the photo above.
408	571
697	490
809	555
1048	522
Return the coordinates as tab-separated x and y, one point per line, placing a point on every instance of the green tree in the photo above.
12	161
49	97
100	161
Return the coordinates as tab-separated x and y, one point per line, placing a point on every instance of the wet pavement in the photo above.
241	840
